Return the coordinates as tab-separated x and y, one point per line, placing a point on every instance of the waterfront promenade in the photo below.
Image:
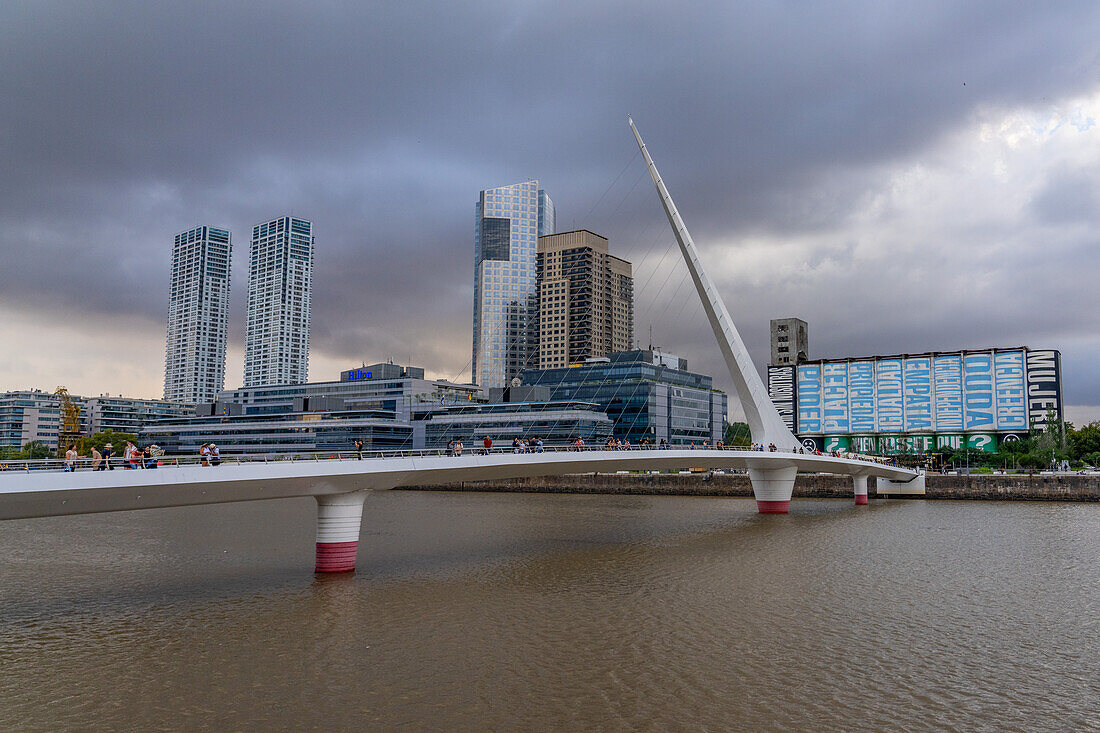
1012	487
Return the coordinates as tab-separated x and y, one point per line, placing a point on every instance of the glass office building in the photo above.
198	312
280	275
557	424
508	222
647	394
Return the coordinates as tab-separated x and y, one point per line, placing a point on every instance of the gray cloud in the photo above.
128	122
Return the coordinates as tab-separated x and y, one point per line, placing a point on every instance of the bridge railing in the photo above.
85	463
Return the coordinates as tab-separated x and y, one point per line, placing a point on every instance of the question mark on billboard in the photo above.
981	441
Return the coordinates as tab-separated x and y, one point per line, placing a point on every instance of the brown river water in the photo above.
557	612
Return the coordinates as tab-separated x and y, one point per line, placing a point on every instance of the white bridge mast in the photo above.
764	421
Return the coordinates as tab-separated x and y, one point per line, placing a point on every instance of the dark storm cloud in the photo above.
124	123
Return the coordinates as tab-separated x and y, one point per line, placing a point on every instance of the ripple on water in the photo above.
491	611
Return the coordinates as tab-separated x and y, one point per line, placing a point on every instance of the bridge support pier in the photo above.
860	484
339	517
772	488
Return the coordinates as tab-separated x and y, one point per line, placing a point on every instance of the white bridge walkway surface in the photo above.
340	483
340	486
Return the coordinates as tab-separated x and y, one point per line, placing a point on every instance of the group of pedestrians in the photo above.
526	445
209	455
133	457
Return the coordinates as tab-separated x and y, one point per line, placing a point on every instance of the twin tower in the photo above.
280	276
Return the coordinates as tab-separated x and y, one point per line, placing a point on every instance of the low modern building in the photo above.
919	403
525	413
301	431
128	414
35	415
384	386
647	394
387	406
29	415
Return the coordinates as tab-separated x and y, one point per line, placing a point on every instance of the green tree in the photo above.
35	450
737	434
1084	441
117	440
1032	461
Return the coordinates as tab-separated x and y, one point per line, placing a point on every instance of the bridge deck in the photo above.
56	493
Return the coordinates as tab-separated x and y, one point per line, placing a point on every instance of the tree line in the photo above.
37	450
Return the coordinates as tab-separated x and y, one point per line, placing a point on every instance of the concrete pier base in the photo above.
772	488
860	484
339	517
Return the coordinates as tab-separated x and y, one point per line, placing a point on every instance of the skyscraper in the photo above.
509	221
198	305
586	299
280	273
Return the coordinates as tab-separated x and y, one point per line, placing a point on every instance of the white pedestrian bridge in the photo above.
341	482
340	486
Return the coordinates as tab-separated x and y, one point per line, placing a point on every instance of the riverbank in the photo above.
983	487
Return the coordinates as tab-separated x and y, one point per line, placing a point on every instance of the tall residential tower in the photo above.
586	299
509	221
198	305
280	273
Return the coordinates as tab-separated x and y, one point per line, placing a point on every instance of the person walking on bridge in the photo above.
486	445
97	459
70	459
108	451
359	447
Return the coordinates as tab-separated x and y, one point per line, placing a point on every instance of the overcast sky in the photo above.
904	176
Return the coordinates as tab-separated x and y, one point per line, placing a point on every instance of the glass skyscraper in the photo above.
508	222
198	306
280	274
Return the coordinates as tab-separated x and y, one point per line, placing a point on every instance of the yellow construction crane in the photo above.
68	429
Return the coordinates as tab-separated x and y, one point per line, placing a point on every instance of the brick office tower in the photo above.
586	299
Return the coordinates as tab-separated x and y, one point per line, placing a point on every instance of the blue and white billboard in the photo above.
1011	396
834	390
947	378
978	391
918	394
861	396
809	398
888	385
